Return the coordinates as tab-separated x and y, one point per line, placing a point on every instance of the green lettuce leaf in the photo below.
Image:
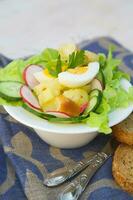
104	106
110	65
100	121
102	59
118	74
11	71
114	96
35	60
130	94
99	118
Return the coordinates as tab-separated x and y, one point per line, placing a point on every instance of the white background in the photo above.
28	26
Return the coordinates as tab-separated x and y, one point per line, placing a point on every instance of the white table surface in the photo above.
28	26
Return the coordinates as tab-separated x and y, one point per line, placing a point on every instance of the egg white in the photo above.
72	80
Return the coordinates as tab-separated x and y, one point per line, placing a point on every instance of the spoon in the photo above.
63	174
75	189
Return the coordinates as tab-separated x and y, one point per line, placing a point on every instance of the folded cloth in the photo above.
25	159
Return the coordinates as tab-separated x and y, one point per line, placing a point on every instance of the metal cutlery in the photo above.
74	189
63	174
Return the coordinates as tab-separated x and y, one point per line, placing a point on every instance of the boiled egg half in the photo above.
79	76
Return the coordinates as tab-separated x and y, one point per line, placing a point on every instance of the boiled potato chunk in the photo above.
54	86
68	106
49	93
62	104
87	88
39	88
79	96
45	96
51	105
66	49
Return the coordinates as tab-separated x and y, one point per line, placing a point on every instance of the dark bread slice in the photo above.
122	167
123	132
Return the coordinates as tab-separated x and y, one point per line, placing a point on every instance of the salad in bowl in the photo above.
67	86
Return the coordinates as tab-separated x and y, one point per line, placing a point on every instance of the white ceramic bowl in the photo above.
66	135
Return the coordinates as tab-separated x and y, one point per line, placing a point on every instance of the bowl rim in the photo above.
28	119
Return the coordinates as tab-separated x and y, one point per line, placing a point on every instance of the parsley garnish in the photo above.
52	61
58	65
76	59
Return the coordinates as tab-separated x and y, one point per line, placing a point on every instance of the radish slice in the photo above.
58	114
28	75
83	107
29	98
96	84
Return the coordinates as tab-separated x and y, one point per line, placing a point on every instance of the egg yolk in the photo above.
46	72
64	68
78	70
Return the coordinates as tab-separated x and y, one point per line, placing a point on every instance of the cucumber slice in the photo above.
36	112
92	105
68	120
52	118
94	92
10	90
95	100
101	78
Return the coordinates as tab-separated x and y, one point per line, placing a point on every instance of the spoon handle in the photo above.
74	189
62	175
80	166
